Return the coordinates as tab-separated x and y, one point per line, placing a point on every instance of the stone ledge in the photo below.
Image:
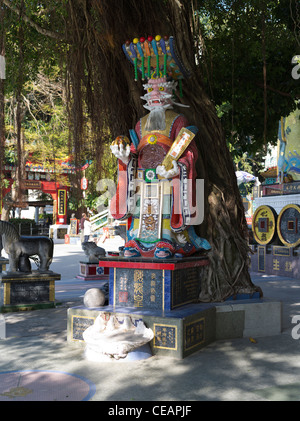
240	320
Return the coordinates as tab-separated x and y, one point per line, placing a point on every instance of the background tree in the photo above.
26	51
102	32
246	65
104	101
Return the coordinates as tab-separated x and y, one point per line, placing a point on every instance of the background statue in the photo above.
92	251
20	248
289	148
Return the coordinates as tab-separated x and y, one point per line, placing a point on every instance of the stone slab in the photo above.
44	385
243	319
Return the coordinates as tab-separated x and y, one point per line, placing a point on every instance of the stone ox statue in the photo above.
20	248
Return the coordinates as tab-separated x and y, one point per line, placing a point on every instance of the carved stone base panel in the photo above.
19	291
92	272
177	334
276	260
181	332
152	284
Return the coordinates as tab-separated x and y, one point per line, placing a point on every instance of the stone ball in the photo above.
94	297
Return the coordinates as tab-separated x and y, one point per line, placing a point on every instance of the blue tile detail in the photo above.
168	292
254	296
111	286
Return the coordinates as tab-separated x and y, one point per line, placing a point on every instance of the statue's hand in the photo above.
120	147
181	238
161	170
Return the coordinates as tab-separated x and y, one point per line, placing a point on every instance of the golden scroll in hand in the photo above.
182	141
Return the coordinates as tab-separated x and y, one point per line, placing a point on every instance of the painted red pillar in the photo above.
61	215
59	196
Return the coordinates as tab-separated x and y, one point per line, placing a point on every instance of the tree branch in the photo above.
269	88
38	28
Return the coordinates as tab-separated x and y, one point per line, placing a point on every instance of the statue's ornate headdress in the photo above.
155	58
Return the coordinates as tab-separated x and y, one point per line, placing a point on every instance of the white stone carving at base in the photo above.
113	340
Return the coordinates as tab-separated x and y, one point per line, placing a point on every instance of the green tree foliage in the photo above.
239	40
235	41
243	54
36	32
45	126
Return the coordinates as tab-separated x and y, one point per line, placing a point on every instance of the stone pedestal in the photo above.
92	271
75	239
181	332
22	291
160	293
153	284
163	295
177	333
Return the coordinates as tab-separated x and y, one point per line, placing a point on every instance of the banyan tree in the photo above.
98	30
101	86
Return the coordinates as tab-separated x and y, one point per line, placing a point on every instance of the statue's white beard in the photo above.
156	118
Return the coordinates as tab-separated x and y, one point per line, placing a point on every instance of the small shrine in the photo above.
276	220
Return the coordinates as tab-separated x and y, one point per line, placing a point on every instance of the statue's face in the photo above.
159	93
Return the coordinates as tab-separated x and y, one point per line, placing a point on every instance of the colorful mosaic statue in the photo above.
156	189
289	148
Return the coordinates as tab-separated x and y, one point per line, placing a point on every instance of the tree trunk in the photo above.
2	117
2	141
224	223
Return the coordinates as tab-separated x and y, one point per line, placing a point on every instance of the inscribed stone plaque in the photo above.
185	286
261	258
61	232
165	336
27	293
73	226
281	251
139	288
79	325
194	333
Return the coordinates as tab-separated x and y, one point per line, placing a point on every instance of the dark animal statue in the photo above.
92	251
20	248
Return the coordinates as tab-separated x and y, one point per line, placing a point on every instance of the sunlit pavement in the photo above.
37	363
